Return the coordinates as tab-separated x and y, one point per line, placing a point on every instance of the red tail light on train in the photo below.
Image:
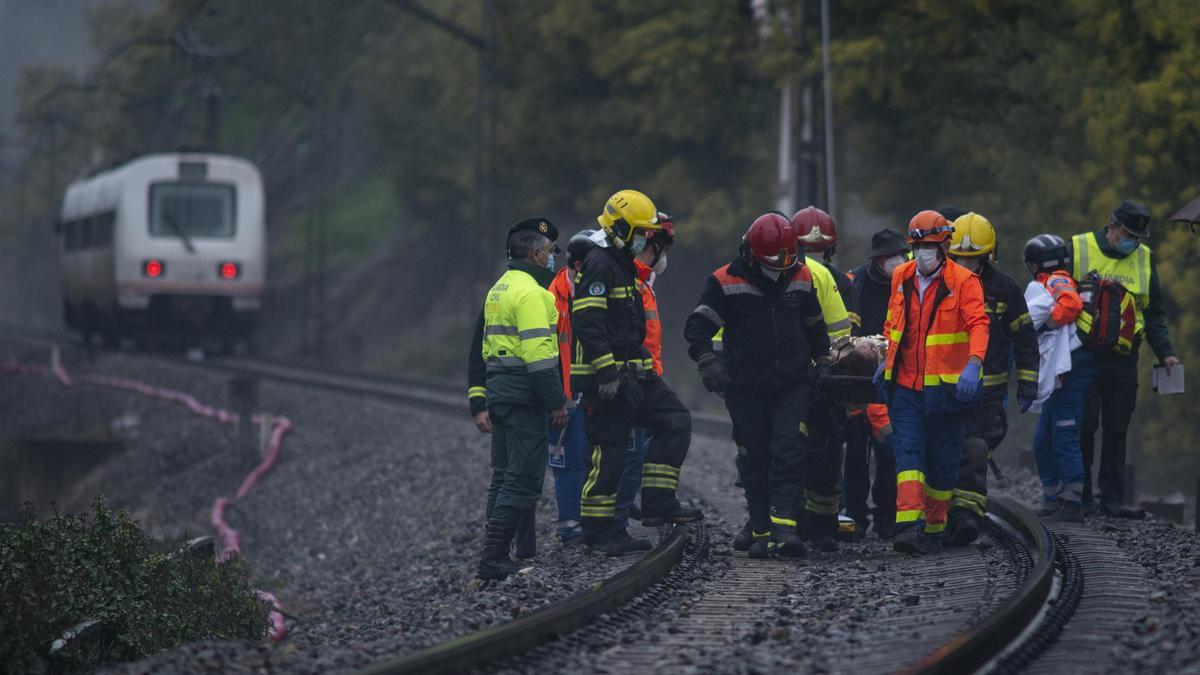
153	268
229	270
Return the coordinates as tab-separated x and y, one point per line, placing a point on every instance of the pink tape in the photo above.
230	541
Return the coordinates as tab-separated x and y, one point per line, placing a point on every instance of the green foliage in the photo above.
61	571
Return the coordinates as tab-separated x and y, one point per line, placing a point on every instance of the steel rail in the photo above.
975	647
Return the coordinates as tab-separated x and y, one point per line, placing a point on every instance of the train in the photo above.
165	246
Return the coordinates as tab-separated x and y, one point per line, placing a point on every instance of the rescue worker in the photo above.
650	262
773	327
568	448
868	432
1012	340
937	331
1070	369
526	540
1117	252
816	233
521	352
612	369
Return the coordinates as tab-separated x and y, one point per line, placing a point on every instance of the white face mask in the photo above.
892	263
928	260
661	265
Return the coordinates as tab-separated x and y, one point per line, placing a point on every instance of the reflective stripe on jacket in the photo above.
653	341
520	347
1012	341
608	321
947	329
837	319
1132	272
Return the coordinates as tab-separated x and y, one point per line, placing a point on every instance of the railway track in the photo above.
995	622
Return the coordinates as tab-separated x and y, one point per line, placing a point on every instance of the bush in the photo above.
57	573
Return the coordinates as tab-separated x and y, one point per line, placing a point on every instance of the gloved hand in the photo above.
609	383
968	387
881	385
712	373
1024	403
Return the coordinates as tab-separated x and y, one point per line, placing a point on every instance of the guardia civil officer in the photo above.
1118	252
615	373
520	350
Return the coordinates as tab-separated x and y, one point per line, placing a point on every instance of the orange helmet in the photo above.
814	229
927	227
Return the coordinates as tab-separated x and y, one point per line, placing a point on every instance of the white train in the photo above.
165	244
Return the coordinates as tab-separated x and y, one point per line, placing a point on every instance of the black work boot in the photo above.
1117	510
526	535
635	512
745	538
821	530
785	535
963	527
619	543
495	563
660	506
1071	512
913	540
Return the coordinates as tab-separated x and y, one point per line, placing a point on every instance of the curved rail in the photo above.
514	637
977	646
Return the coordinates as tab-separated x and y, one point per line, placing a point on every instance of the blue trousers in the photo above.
1056	444
928	449
631	476
570	468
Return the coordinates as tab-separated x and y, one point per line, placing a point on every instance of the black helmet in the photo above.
1046	253
579	246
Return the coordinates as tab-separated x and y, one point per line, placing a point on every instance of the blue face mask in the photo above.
550	261
1127	245
638	244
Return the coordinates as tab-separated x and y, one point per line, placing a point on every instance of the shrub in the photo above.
58	572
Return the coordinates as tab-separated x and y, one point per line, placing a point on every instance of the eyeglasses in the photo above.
921	234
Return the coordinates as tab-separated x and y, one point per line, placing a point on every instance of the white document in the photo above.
1167	384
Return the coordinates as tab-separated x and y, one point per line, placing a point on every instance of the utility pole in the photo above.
827	85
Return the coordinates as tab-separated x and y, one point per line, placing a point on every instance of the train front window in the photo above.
187	210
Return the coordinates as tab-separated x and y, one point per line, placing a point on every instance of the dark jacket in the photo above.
608	321
476	369
845	286
872	290
1154	316
1011	335
773	329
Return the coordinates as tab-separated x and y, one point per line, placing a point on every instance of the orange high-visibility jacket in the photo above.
653	339
929	342
563	289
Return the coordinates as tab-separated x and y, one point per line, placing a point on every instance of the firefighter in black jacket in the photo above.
1012	339
613	370
773	328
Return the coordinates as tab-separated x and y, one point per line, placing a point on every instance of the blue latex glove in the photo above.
881	385
1024	404
968	387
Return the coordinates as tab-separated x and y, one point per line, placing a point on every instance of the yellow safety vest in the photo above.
519	318
837	319
1132	272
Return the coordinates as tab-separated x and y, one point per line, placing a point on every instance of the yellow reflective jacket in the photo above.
520	347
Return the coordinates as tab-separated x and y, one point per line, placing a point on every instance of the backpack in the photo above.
1109	316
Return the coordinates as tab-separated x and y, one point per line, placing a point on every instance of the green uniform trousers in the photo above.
519	447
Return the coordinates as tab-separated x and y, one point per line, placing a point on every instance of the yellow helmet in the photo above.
626	211
973	236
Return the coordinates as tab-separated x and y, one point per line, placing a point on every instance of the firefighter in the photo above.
650	262
568	448
612	369
937	332
870	431
773	327
526	541
818	235
1012	341
520	351
1117	252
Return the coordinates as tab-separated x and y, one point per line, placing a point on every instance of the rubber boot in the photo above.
744	539
526	536
1071	512
1116	510
495	564
660	506
820	529
785	535
913	540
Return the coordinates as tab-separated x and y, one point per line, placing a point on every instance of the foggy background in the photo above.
398	141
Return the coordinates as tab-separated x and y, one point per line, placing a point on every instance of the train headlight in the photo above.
154	268
229	270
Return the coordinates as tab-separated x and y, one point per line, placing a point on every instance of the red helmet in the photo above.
815	229
771	242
